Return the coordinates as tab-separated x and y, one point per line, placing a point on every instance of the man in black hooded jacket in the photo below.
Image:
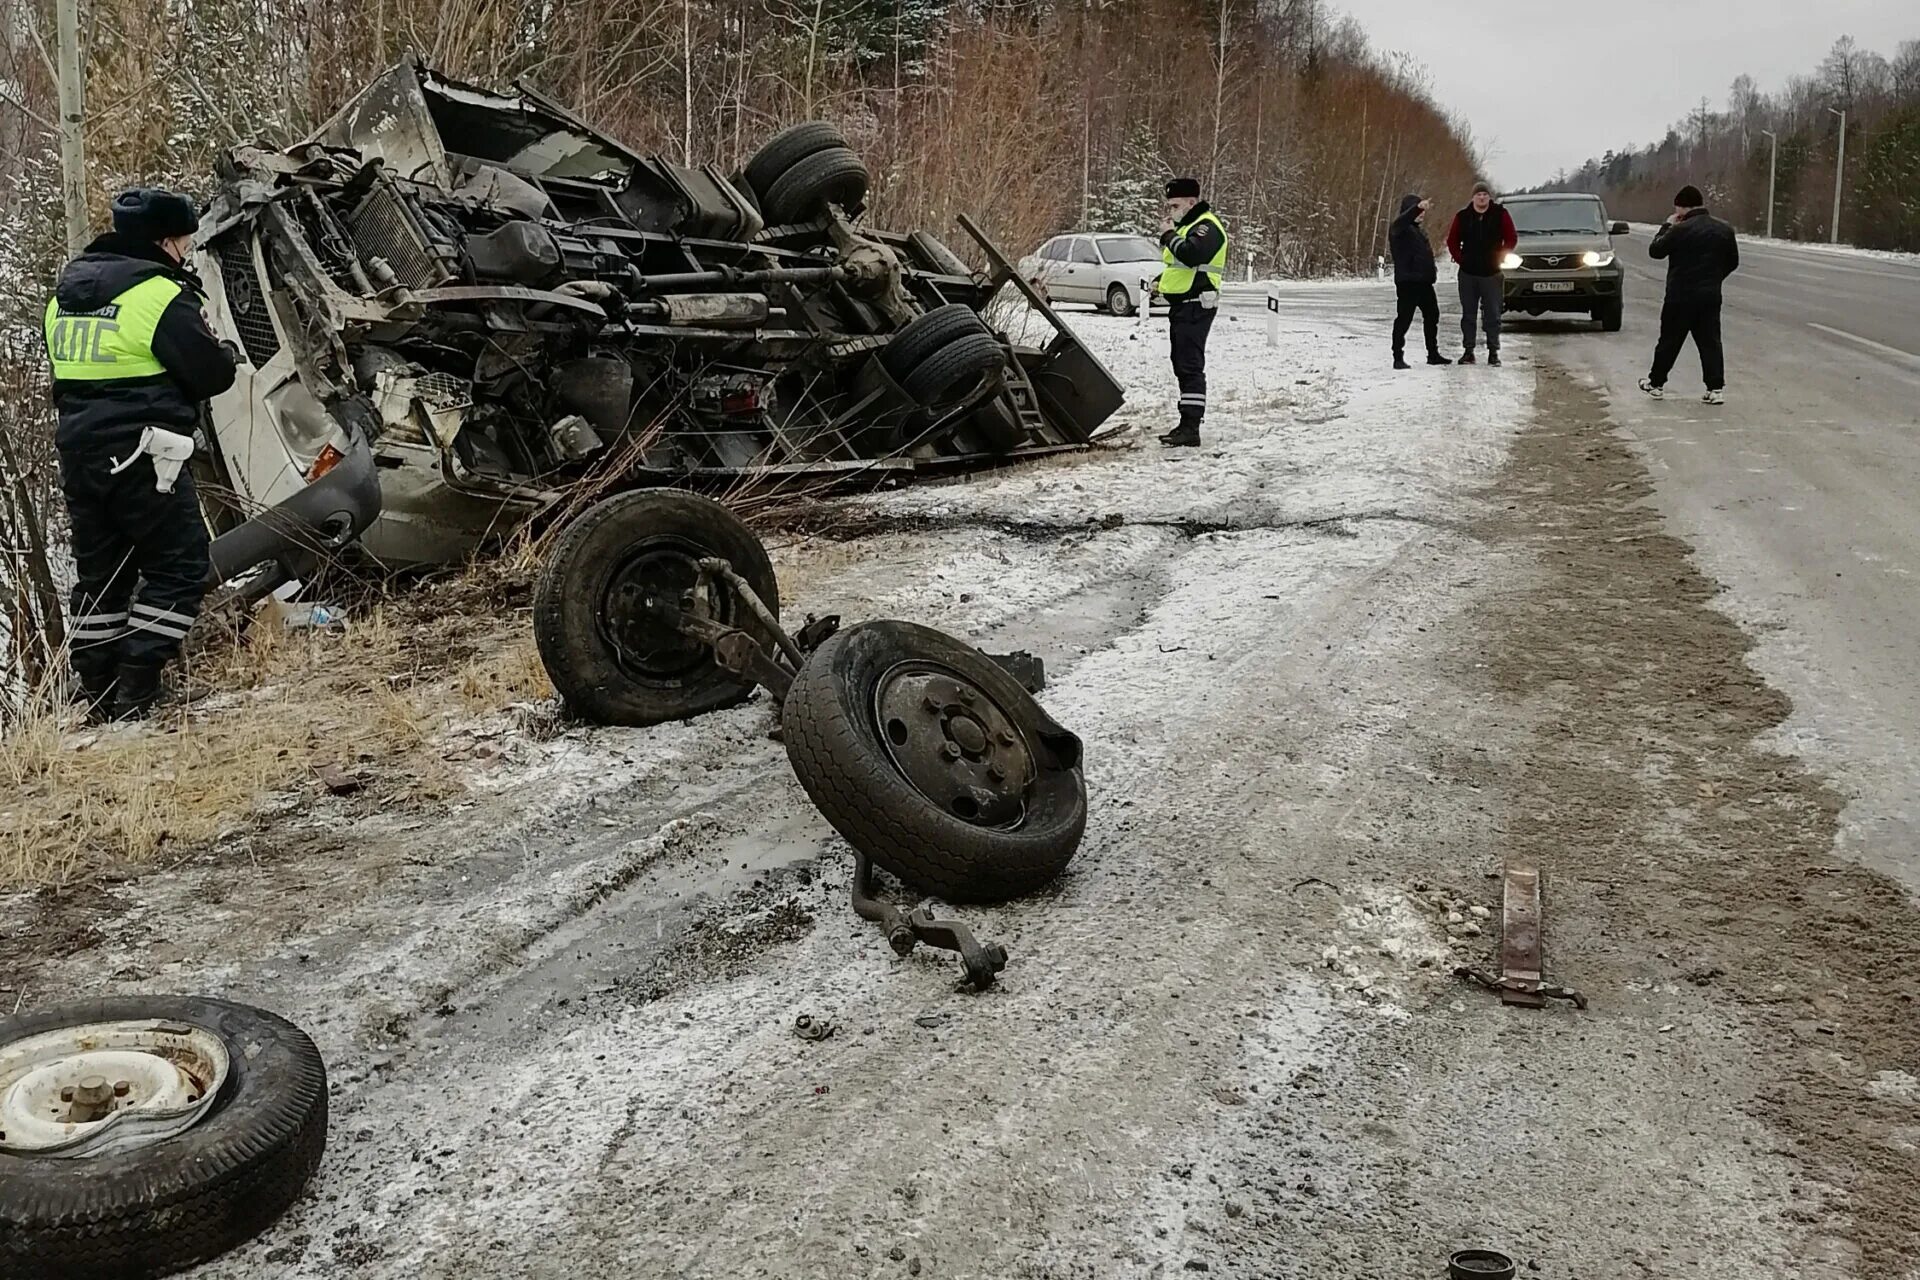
131	350
1701	252
1413	279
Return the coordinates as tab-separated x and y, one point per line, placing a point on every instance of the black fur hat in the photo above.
1183	188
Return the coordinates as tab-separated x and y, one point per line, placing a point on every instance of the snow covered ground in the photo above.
559	1024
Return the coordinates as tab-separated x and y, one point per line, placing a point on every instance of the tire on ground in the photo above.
787	148
178	1202
950	372
925	334
835	176
833	739
1119	300
569	626
1610	315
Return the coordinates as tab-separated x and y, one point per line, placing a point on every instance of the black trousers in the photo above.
1416	297
1700	318
1188	324
1480	295
141	563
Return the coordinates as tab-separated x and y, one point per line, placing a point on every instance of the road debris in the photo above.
1520	981
810	1028
1479	1264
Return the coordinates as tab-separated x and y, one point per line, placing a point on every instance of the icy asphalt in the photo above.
560	1023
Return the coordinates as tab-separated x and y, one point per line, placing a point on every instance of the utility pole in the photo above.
1773	167
73	154
1839	169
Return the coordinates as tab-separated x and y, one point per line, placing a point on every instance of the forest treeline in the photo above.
1727	153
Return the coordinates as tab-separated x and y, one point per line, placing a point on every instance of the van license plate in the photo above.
1553	286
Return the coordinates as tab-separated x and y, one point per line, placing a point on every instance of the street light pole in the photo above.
1773	167
1839	168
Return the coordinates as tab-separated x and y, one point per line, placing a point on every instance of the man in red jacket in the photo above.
1480	238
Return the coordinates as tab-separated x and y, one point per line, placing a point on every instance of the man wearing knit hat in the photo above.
1701	251
1193	253
132	362
1481	237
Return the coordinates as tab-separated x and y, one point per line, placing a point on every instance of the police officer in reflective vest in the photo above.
132	362
1193	249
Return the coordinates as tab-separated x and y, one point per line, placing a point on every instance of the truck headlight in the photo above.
1597	258
1510	263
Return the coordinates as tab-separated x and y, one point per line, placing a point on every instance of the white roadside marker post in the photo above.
1273	315
1146	303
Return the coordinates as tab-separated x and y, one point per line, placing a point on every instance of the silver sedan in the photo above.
1111	271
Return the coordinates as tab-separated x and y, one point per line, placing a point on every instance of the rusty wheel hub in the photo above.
954	743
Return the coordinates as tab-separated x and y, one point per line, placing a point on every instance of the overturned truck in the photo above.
454	302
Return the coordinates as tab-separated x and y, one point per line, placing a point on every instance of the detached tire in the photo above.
925	334
787	148
608	660
861	705
835	176
181	1200
952	371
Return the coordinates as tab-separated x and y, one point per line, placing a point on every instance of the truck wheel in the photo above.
1119	301
610	659
1610	314
955	369
930	759
140	1136
787	148
834	176
925	334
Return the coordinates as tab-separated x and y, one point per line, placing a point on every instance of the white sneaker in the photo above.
1714	397
1658	393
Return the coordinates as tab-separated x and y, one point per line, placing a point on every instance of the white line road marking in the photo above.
1905	357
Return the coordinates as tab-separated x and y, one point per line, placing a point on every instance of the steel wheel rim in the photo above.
664	571
954	743
107	1087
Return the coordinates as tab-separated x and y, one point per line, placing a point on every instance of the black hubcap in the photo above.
958	747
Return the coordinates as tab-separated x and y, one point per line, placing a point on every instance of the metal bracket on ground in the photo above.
1520	981
983	961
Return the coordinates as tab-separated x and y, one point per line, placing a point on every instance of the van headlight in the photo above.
1510	263
1597	258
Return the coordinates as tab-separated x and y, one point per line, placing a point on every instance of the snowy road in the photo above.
1801	496
1382	633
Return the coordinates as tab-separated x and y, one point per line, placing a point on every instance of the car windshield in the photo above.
1129	249
1567	217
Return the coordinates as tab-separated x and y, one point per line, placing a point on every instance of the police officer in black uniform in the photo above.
131	351
1193	255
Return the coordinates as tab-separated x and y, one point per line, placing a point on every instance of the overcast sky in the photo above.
1545	86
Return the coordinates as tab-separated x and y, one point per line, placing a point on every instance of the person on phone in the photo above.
1701	252
1480	238
1413	279
1193	254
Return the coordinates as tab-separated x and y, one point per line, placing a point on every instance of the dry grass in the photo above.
270	704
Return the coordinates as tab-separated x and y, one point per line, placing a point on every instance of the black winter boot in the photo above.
1466	357
95	692
139	689
1400	361
1186	435
1493	358
1434	357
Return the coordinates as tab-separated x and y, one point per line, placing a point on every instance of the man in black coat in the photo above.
1701	251
1413	278
132	362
